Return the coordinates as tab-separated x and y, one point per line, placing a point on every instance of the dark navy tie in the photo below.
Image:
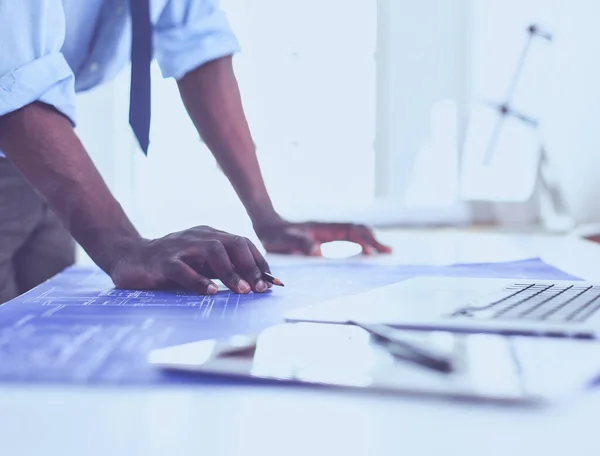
141	58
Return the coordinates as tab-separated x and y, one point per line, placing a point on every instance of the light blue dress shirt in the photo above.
51	49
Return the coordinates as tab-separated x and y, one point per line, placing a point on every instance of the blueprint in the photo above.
76	328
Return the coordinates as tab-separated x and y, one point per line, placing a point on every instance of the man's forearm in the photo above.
42	145
212	98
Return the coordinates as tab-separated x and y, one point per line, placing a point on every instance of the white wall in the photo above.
422	62
339	104
565	95
428	51
498	35
571	120
308	86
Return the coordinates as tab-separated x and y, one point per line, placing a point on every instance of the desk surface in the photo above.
263	420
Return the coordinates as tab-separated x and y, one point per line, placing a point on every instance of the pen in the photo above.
271	279
404	350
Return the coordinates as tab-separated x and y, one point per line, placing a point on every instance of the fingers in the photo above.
360	234
184	275
260	260
369	244
245	262
190	258
221	264
232	259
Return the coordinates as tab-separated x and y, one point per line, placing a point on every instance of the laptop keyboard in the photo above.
542	302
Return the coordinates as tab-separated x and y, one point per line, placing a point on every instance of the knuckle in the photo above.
238	241
214	247
201	231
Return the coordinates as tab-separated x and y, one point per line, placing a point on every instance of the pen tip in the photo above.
272	279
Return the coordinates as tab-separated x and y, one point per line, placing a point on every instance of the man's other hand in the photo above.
306	238
189	259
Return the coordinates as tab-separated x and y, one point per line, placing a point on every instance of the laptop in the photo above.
516	306
485	367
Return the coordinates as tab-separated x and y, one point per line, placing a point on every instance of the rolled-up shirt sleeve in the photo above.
189	33
32	67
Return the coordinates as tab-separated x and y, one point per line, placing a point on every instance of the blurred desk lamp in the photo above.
504	159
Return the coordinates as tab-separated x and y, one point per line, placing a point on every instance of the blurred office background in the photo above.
371	111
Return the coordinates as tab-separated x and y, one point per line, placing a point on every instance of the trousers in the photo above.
34	245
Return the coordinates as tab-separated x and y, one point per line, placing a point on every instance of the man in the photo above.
51	49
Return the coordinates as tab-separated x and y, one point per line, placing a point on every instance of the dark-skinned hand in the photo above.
306	238
190	259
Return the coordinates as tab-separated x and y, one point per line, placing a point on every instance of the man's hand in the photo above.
212	98
306	238
189	259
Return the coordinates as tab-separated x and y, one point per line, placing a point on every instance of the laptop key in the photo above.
491	303
585	311
559	306
529	303
567	310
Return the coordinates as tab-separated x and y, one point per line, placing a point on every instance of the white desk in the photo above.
263	420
